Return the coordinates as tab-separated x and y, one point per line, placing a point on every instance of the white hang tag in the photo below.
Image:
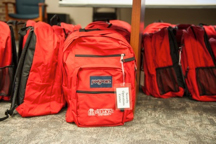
123	98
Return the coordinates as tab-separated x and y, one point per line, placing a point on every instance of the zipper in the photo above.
83	55
96	92
187	68
7	66
180	52
114	55
128	59
88	30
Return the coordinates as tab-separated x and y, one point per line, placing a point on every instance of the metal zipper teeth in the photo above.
81	55
96	92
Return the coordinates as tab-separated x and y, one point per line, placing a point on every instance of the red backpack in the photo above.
93	62
38	79
156	26
119	26
199	64
8	60
162	71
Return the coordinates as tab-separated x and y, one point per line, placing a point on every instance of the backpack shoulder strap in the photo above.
16	81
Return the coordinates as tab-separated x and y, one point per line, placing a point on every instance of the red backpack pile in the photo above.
97	63
98	67
180	60
8	60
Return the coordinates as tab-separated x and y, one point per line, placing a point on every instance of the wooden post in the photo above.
137	26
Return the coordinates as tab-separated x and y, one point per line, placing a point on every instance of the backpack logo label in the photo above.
100	112
100	81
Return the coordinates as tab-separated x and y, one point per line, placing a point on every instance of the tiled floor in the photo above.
157	121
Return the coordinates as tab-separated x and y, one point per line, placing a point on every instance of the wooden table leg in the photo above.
137	26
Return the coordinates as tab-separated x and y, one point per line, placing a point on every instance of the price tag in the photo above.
123	98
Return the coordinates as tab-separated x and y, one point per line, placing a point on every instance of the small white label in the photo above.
123	97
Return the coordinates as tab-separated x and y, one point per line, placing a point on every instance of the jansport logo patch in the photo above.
100	81
100	112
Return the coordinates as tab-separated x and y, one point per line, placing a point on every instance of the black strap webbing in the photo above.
16	81
7	113
14	51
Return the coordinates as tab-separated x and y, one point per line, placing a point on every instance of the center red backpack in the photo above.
8	60
93	62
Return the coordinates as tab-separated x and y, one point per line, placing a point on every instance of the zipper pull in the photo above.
122	64
135	66
180	51
122	58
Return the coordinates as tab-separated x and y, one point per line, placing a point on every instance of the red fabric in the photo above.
210	31
5	46
70	28
194	56
157	26
43	94
5	60
77	72
156	56
121	27
179	32
212	42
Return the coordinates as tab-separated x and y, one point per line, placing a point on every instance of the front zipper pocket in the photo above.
97	108
95	94
111	59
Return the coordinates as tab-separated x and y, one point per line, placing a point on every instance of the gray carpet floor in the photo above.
157	121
